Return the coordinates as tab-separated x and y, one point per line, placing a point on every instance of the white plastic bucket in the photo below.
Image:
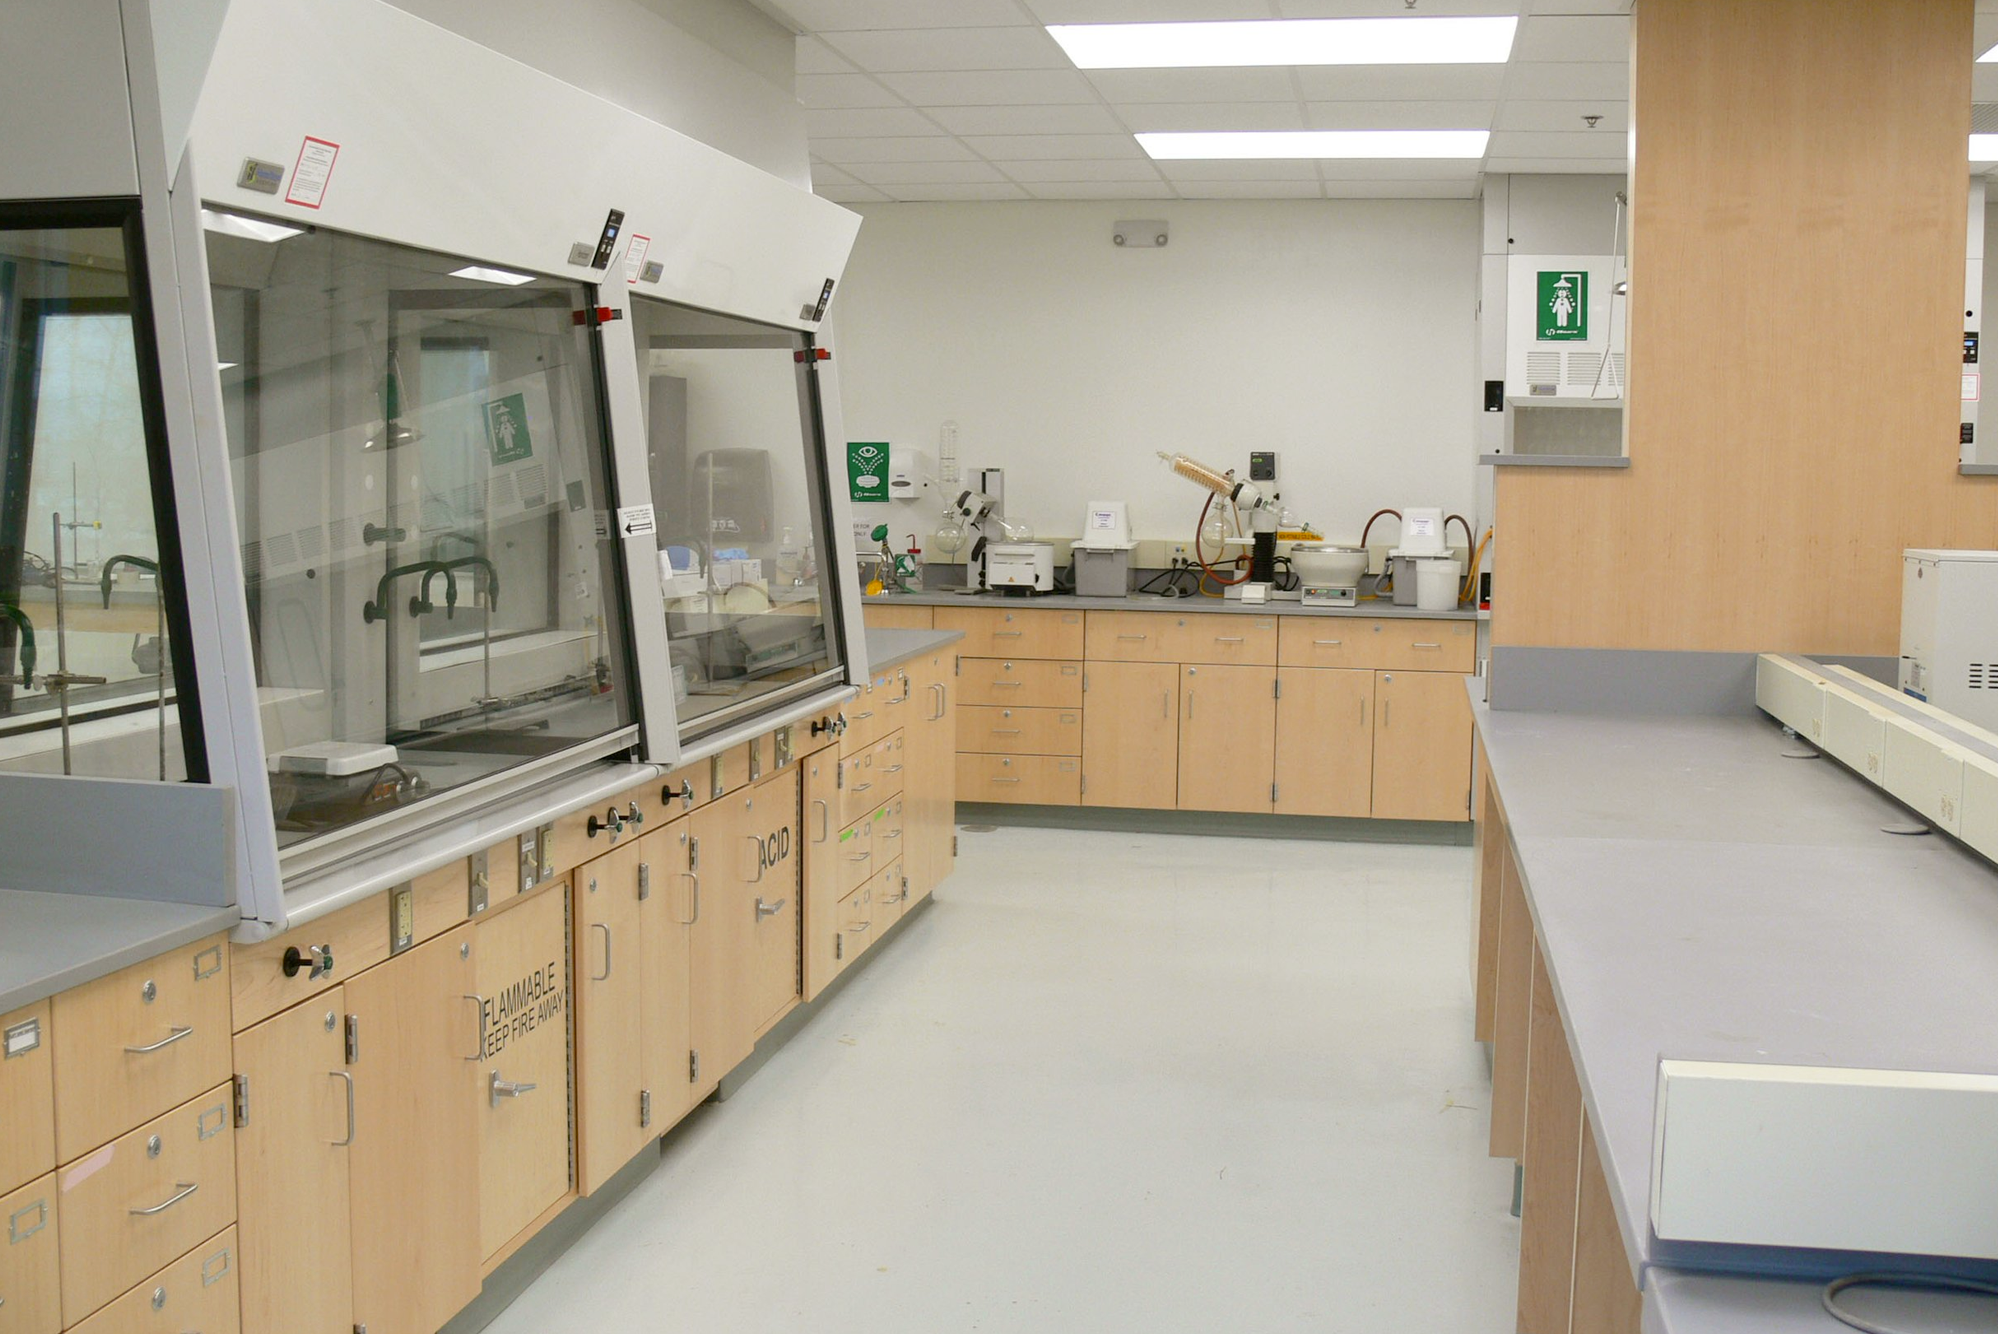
1437	583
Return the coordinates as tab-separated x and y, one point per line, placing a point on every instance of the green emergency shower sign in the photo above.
1564	307
506	430
867	469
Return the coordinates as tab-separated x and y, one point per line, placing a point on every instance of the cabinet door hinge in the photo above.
353	1038
1085	683
694	1067
693	854
645	1109
644	881
839	946
839	776
360	1329
1085	777
1273	794
953	845
1276	689
957	666
242	1101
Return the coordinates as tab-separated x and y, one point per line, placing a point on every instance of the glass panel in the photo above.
419	470
86	679
737	493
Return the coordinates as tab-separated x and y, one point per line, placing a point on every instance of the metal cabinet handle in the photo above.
769	909
179	1031
1387	713
759	858
858	856
1008	685
1425	646
862	787
506	1088
1189	704
863	717
1363	710
1327	643
1007	634
941	701
825	820
894	768
479	1001
1007	731
1140	638
604	976
1005	780
689	875
1230	639
858	927
894	833
349	1081
182	1190
1165	704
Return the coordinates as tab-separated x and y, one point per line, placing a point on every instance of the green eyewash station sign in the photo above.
867	469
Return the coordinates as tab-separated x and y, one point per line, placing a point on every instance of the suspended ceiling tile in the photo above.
1252	170
1601	37
1399	169
815	57
1100	190
1092	118
1212	116
1393	189
935	148
997	88
1374	9
847	15
1398	83
1146	11
1040	147
1583	6
1250	189
1984	83
1556	165
824	173
1573	81
824	92
1081	169
1564	116
1595	145
1194	85
888	175
1399	115
950	49
867	123
954	193
851	194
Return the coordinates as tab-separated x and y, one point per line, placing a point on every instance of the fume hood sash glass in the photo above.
419	468
95	677
739	491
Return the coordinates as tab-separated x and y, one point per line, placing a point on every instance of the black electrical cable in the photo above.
1930	1282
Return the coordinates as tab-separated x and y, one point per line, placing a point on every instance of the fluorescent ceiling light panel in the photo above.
250	229
1403	41
1269	144
1989	57
1984	148
480	273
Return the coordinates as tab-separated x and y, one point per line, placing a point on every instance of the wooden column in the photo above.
1798	199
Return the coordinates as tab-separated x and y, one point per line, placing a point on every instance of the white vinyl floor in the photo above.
1108	1082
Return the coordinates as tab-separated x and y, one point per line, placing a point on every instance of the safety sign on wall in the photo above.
867	469
506	430
1563	307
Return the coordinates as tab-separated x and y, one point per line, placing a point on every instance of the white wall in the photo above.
1339	333
716	70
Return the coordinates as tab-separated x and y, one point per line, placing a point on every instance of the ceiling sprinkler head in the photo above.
1592	121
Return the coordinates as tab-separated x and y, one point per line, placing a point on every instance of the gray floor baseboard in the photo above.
1219	824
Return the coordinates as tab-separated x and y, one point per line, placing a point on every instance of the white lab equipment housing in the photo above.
1564	391
439	144
1949	631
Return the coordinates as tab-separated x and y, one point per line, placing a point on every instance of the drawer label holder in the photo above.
22	1038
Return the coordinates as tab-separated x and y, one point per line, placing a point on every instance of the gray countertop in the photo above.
892	648
1700	896
52	942
1152	602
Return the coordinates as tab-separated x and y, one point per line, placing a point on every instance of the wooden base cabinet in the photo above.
292	1170
1422	746
1130	733
1324	742
930	852
413	1169
1227	738
522	1101
723	965
823	955
30	1268
608	945
772	856
27	1097
196	1292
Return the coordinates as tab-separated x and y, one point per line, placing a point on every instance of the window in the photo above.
739	497
89	621
418	459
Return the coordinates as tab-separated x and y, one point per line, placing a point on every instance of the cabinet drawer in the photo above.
1128	636
357	937
860	787
130	1207
1026	683
992	632
130	1045
891	616
1390	645
195	1292
870	715
30	1266
888	830
27	1096
1244	638
1428	646
855	850
1003	731
1035	780
856	926
890	888
889	766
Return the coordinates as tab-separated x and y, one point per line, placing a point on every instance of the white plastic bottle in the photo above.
790	561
